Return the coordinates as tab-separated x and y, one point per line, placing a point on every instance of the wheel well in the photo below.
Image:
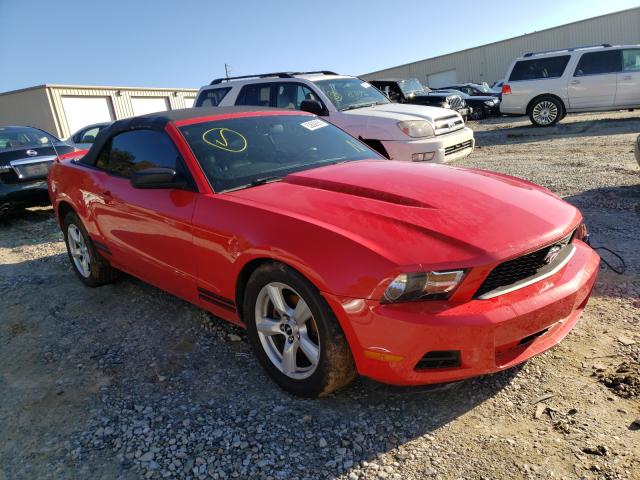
376	145
243	278
535	99
63	209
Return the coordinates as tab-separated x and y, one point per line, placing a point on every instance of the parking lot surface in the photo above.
125	381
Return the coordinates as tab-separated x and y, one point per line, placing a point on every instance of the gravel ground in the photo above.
126	381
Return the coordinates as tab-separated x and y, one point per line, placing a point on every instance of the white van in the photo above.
548	85
396	130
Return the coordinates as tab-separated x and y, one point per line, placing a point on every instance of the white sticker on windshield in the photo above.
365	84
314	124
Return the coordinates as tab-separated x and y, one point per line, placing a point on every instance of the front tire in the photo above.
546	111
89	266
294	333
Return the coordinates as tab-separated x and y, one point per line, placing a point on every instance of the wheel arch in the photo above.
63	208
252	265
542	95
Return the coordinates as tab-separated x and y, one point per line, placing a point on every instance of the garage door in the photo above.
188	101
442	79
143	105
83	111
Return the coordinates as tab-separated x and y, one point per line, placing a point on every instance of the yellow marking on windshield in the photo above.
225	139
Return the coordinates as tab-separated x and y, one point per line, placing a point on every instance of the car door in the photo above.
628	90
147	231
594	81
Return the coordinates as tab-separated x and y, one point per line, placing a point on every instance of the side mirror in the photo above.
313	106
157	178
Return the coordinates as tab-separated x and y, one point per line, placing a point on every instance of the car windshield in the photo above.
243	152
350	93
483	88
411	86
12	138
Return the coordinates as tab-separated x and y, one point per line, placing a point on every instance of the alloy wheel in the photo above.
287	330
79	251
545	112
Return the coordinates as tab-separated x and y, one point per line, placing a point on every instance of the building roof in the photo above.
100	87
500	41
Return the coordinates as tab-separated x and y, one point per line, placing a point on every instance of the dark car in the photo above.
26	153
412	91
482	106
474	89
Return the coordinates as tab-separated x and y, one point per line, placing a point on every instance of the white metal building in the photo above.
489	63
63	109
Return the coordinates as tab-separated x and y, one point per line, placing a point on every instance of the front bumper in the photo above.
23	194
441	145
488	334
464	112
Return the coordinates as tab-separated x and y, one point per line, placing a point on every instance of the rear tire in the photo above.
89	266
294	333
546	111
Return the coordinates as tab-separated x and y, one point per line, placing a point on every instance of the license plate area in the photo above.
32	169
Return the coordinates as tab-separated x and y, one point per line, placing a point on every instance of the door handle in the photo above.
574	82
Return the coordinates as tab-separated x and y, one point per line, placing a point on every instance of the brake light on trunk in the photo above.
506	89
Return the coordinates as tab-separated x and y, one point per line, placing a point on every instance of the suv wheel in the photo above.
294	333
89	266
546	111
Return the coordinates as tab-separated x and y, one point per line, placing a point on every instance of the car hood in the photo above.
422	215
398	112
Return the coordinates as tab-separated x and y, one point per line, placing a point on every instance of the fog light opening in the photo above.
439	359
422	157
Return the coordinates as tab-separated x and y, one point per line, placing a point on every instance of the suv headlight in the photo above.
423	286
489	102
416	128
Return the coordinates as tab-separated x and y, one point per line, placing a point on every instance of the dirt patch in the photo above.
624	380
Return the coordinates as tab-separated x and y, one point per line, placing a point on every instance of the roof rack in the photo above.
601	45
269	75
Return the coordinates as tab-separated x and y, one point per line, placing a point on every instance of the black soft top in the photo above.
158	120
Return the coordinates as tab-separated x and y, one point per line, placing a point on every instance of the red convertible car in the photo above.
336	261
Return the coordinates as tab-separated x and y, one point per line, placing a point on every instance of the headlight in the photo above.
446	105
422	286
416	128
489	102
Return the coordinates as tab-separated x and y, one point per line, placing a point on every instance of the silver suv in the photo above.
398	131
548	85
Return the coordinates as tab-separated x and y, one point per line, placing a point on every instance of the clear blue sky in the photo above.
185	43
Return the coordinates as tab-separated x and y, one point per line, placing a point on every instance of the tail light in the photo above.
506	89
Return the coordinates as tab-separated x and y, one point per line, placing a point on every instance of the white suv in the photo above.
398	131
548	85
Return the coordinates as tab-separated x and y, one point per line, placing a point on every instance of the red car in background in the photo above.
336	261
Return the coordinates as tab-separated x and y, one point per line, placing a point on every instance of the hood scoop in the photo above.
356	190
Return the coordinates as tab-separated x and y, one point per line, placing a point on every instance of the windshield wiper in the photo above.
359	105
263	180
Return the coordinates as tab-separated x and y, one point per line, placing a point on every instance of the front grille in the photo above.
455	102
457	147
518	269
448	124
